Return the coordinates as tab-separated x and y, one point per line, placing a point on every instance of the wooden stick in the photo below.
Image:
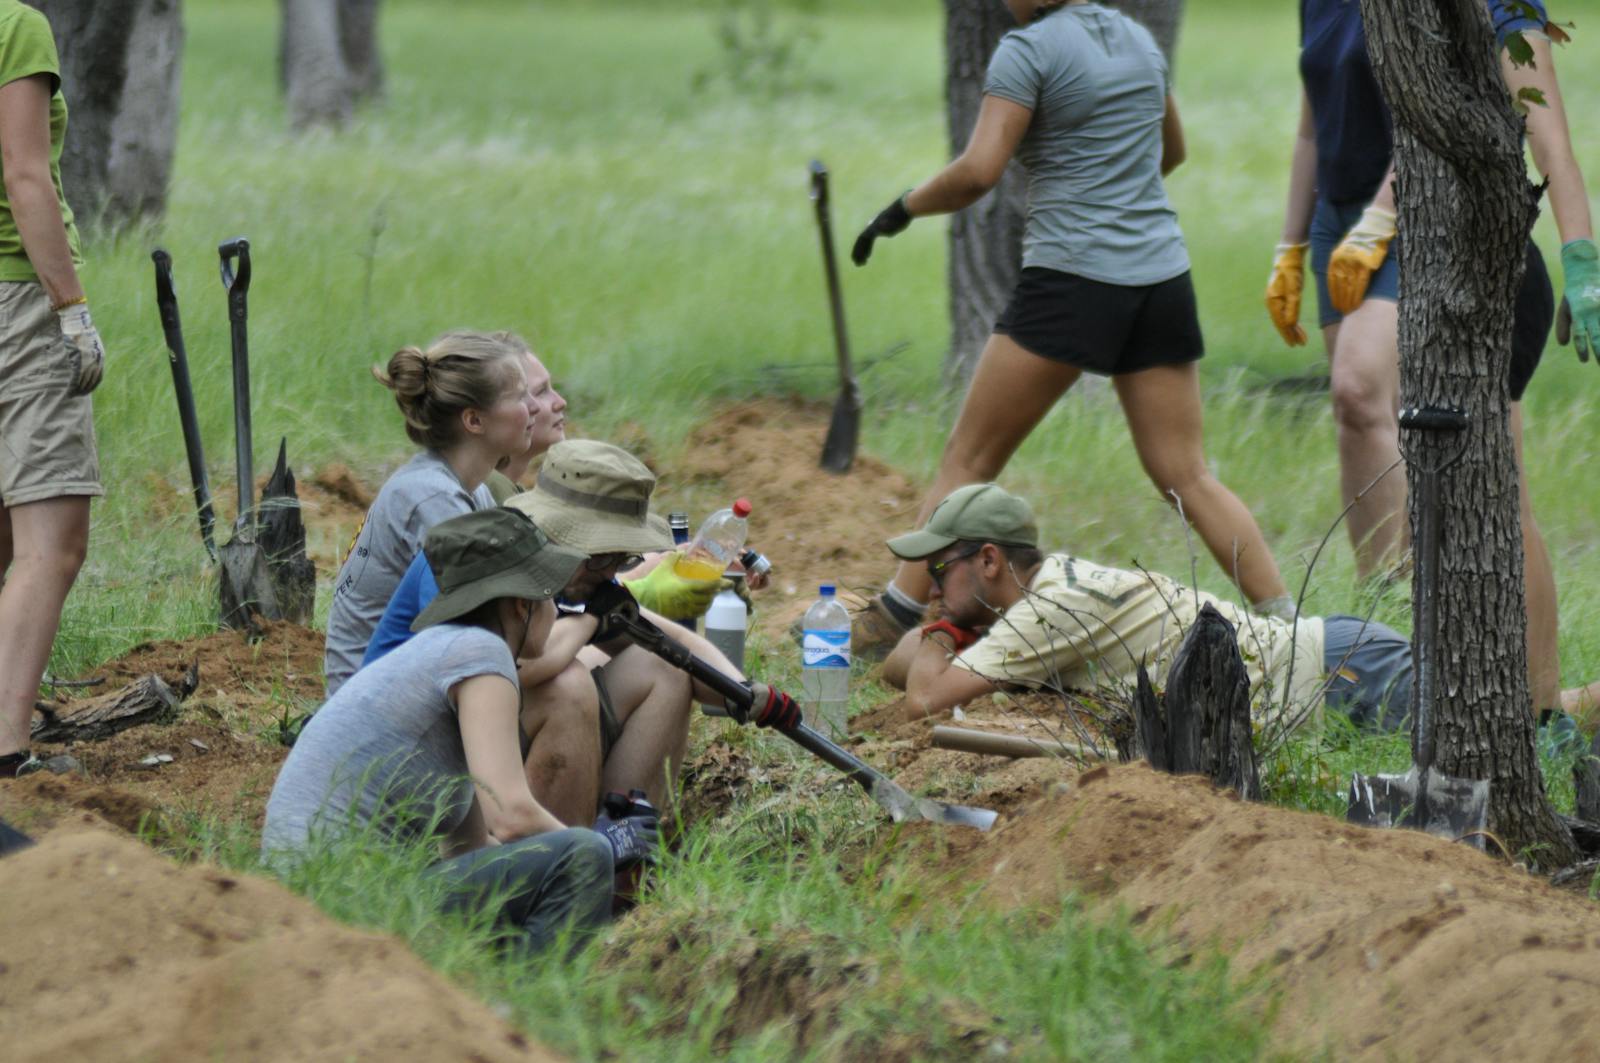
970	741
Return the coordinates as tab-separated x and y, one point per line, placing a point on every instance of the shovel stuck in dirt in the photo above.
900	804
844	427
1422	798
246	581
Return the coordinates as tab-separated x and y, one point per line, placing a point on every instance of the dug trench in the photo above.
1374	944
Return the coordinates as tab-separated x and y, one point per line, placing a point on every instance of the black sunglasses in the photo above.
621	562
937	569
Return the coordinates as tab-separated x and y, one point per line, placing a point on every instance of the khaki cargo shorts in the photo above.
47	447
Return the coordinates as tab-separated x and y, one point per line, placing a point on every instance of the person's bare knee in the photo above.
561	723
1365	375
567	700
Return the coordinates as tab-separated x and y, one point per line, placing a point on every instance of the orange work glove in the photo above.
1283	292
1357	257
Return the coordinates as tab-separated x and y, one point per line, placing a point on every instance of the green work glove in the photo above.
663	591
1579	316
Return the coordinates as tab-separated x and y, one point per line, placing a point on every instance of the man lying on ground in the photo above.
1012	616
599	714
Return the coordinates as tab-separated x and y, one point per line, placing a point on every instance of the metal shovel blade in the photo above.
1452	808
901	806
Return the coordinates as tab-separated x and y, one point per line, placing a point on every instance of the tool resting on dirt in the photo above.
246	581
172	329
844	429
1422	798
885	791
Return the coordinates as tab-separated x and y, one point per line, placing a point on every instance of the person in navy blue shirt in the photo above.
1341	207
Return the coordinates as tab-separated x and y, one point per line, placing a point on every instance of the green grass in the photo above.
548	168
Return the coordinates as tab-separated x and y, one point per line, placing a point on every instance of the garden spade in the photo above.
900	804
844	429
246	580
172	329
1423	798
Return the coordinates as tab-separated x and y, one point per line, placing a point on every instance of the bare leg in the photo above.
561	720
1011	391
48	541
1544	661
652	700
1163	410
1366	402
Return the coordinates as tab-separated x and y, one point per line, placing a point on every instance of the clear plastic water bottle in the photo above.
726	623
825	665
718	543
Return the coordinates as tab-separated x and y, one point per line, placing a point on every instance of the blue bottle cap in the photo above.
826	590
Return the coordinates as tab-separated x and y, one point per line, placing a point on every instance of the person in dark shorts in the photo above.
1080	96
1341	208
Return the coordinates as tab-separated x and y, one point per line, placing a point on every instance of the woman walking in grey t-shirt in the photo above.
1079	95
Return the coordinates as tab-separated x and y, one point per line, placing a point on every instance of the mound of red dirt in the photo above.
814	526
112	952
1384	944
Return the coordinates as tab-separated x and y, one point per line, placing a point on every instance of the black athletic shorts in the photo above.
1103	328
1534	313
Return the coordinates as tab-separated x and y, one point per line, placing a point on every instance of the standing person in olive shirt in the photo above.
51	358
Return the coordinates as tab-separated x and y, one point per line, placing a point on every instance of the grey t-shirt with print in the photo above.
386	748
421	493
1097	85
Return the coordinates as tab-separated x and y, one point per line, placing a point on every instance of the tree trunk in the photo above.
120	73
358	42
1465	211
986	238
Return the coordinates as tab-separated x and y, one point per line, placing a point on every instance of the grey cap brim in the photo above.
541	577
914	546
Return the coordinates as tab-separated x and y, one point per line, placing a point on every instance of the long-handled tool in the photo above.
1422	798
844	429
246	581
882	789
167	304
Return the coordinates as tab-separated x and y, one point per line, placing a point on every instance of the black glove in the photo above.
891	220
634	838
771	707
613	607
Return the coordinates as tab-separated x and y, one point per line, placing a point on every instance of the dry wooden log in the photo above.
148	699
1206	720
967	740
283	538
1150	726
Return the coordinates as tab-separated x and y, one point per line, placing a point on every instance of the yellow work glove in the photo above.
1283	292
1358	257
663	591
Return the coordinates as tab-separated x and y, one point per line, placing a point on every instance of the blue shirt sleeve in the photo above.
1516	16
416	589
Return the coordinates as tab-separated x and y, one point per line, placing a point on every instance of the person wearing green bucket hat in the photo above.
598	716
427	740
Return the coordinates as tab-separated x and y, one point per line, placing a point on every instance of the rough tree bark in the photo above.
986	238
1465	211
120	73
328	59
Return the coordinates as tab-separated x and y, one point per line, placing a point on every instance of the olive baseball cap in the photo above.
488	554
984	513
595	497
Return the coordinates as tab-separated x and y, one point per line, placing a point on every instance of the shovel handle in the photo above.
819	183
237	281
1433	418
177	357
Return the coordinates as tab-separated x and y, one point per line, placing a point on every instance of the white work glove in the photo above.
77	328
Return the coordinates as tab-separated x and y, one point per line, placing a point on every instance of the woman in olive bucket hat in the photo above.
427	741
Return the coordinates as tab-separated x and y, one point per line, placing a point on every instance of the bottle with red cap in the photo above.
718	543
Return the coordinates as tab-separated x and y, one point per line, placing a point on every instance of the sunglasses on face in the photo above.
937	569
620	562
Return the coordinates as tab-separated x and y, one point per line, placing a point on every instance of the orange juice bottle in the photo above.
717	544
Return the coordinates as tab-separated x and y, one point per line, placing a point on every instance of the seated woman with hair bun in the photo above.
466	401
